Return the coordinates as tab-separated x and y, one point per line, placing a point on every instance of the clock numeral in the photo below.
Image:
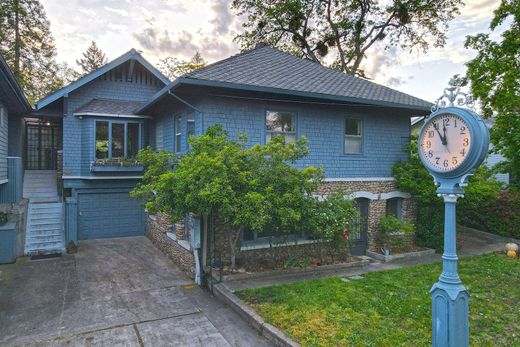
428	144
454	161
430	154
465	142
462	130
455	121
463	152
446	122
437	159
431	133
445	163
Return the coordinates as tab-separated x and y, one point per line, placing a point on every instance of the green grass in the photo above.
393	308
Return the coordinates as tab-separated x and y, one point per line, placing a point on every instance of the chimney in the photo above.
261	44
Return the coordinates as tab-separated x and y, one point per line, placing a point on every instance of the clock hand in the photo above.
443	140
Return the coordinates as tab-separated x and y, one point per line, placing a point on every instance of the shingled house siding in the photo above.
3	143
385	133
78	135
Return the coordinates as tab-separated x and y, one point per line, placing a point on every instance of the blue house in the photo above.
81	142
356	129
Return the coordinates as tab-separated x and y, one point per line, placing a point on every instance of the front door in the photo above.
359	233
42	142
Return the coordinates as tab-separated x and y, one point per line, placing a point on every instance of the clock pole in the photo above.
450	324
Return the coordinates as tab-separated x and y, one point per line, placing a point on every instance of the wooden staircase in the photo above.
45	233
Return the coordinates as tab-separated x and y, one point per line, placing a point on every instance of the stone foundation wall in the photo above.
156	229
377	203
250	257
17	214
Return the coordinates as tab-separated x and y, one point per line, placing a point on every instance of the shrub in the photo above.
393	231
482	206
3	218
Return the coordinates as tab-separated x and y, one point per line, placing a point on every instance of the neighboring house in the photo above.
491	160
356	129
82	136
13	106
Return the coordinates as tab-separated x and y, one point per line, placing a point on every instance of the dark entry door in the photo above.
359	234
43	140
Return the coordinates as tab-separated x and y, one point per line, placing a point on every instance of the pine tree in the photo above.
172	67
93	59
26	43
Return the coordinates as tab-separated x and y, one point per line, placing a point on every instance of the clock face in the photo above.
445	142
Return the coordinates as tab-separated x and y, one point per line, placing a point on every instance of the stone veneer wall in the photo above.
158	226
376	207
17	214
156	229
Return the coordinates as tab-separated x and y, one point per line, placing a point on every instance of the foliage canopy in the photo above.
341	31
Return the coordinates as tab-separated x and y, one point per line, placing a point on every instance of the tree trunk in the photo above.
233	237
17	41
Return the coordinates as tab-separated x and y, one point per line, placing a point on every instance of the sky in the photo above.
179	28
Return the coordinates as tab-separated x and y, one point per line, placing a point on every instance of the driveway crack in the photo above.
139	338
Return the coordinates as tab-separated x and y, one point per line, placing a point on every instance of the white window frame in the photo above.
347	136
125	144
178	133
270	134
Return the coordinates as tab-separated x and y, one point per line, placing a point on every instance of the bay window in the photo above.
117	139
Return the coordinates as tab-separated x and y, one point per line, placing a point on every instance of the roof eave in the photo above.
228	85
132	54
15	87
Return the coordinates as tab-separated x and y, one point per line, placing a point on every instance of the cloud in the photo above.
223	17
184	44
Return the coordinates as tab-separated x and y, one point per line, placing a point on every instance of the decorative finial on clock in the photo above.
453	96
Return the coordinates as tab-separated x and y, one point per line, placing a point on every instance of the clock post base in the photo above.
450	325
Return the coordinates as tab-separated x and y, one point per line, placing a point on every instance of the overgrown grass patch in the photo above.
393	308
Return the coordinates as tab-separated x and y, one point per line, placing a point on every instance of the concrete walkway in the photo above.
471	244
113	292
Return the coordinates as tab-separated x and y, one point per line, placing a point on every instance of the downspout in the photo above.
197	266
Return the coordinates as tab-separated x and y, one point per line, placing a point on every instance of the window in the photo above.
280	124
117	139
101	140
191	128
353	136
394	207
133	139
178	133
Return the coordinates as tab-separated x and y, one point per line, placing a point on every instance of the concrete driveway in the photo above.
113	292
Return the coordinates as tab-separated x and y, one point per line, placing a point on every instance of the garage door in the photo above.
109	215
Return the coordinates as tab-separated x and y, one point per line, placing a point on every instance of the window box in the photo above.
116	165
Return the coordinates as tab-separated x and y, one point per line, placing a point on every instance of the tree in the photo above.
342	31
93	59
28	47
173	67
495	80
412	177
244	187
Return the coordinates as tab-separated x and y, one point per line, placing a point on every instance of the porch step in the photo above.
45	232
40	185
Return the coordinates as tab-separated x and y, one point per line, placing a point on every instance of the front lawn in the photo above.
393	308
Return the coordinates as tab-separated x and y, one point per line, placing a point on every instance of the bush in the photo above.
500	215
3	218
482	207
393	231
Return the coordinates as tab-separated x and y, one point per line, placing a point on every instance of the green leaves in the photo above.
495	80
347	29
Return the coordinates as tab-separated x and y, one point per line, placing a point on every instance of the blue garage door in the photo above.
109	215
